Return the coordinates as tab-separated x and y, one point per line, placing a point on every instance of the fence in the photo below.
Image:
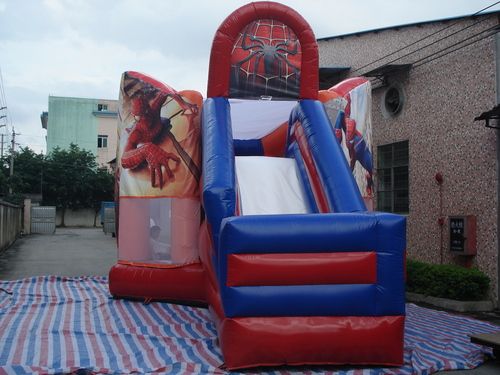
10	223
43	219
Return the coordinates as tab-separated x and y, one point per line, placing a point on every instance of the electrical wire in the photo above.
449	49
454	50
3	103
424	38
492	30
436	41
376	81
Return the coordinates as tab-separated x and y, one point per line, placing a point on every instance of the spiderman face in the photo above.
266	61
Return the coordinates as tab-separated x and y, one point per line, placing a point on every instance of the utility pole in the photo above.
1	126
12	149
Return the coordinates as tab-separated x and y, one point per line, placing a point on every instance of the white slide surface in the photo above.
269	186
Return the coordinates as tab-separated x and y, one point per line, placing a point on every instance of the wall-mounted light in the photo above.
492	115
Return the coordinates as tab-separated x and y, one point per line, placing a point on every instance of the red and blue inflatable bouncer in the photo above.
295	269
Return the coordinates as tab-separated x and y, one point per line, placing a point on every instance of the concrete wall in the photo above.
78	121
442	98
78	218
10	223
71	121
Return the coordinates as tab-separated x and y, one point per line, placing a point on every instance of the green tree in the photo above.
72	179
27	167
68	178
27	175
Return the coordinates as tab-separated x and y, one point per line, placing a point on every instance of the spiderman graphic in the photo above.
266	61
356	147
150	130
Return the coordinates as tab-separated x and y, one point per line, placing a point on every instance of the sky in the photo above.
80	48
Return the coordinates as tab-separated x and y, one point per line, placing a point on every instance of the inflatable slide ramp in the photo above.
299	271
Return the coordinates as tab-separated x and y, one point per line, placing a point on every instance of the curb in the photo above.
451	304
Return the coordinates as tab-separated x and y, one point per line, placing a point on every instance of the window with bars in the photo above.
392	177
102	141
102	107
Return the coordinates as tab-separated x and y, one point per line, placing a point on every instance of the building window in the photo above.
102	107
392	177
102	141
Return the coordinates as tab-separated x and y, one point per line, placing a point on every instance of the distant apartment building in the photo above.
89	123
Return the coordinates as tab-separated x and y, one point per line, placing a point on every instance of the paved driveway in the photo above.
68	252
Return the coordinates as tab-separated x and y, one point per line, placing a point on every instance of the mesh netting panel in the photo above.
265	61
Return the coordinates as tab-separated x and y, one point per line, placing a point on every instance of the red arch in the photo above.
225	37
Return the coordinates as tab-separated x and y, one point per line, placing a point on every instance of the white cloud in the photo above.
54	5
81	47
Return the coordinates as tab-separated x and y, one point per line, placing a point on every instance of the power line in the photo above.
1	145
3	100
13	148
424	38
30	135
439	40
493	28
28	143
451	51
438	54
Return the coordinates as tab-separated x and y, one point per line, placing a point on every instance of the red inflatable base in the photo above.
151	282
274	341
308	340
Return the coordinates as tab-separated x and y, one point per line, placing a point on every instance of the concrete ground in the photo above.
68	252
88	251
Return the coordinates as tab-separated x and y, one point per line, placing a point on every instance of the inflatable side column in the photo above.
158	176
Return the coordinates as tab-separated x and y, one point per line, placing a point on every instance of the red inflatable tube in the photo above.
274	144
302	269
229	31
249	342
183	283
343	88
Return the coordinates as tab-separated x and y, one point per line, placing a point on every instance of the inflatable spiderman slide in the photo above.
293	266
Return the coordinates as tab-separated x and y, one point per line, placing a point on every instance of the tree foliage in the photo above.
25	180
66	178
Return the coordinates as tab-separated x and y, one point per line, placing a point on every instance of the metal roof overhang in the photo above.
331	75
493	114
384	71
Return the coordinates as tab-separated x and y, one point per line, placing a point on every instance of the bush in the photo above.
446	281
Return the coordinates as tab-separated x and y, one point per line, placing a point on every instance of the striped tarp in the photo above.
63	325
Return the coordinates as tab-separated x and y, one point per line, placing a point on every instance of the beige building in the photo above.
433	162
107	134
